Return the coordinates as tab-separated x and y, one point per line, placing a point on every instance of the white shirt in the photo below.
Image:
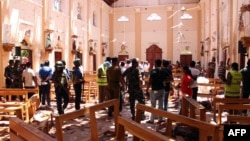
195	72
28	75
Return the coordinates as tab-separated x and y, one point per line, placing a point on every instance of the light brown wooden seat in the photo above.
91	111
205	129
21	131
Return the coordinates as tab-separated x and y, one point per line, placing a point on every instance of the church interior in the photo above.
91	30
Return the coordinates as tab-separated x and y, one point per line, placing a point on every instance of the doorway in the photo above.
58	56
152	53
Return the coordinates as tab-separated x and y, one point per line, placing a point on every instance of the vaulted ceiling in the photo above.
137	2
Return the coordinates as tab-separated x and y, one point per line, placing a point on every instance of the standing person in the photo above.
77	80
234	78
245	72
122	66
186	82
211	68
66	69
222	71
45	74
195	73
232	88
156	81
18	69
102	81
59	78
114	78
133	77
9	74
108	60
29	78
167	83
146	67
39	82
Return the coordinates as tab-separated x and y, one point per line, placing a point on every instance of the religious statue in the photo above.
48	41
26	40
123	50
74	45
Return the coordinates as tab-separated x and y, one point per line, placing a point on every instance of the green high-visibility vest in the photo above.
103	80
233	90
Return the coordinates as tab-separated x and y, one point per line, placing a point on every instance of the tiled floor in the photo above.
79	129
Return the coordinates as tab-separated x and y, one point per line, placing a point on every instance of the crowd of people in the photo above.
115	78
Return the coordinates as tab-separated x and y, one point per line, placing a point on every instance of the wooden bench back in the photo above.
138	131
240	119
189	104
205	129
91	111
21	131
222	107
17	92
231	101
33	104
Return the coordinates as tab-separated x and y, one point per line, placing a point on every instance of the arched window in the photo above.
57	5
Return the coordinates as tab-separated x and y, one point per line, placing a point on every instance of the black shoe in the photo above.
150	122
110	115
133	118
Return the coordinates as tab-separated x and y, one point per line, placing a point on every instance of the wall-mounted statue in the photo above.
104	48
123	49
79	11
92	46
74	44
48	41
26	40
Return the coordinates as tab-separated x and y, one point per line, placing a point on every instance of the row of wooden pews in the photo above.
9	107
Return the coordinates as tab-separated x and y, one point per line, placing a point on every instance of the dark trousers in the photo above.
195	93
165	100
45	94
78	94
114	93
135	94
61	94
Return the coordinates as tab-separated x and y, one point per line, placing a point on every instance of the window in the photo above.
57	5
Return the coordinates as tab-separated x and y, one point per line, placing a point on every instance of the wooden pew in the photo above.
17	106
240	119
21	131
90	86
13	107
205	129
17	92
137	130
90	110
189	104
231	101
222	107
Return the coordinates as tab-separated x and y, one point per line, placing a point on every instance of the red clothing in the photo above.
185	85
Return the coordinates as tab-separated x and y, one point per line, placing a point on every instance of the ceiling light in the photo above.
154	17
123	19
186	16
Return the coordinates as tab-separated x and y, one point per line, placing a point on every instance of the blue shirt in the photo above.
45	72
